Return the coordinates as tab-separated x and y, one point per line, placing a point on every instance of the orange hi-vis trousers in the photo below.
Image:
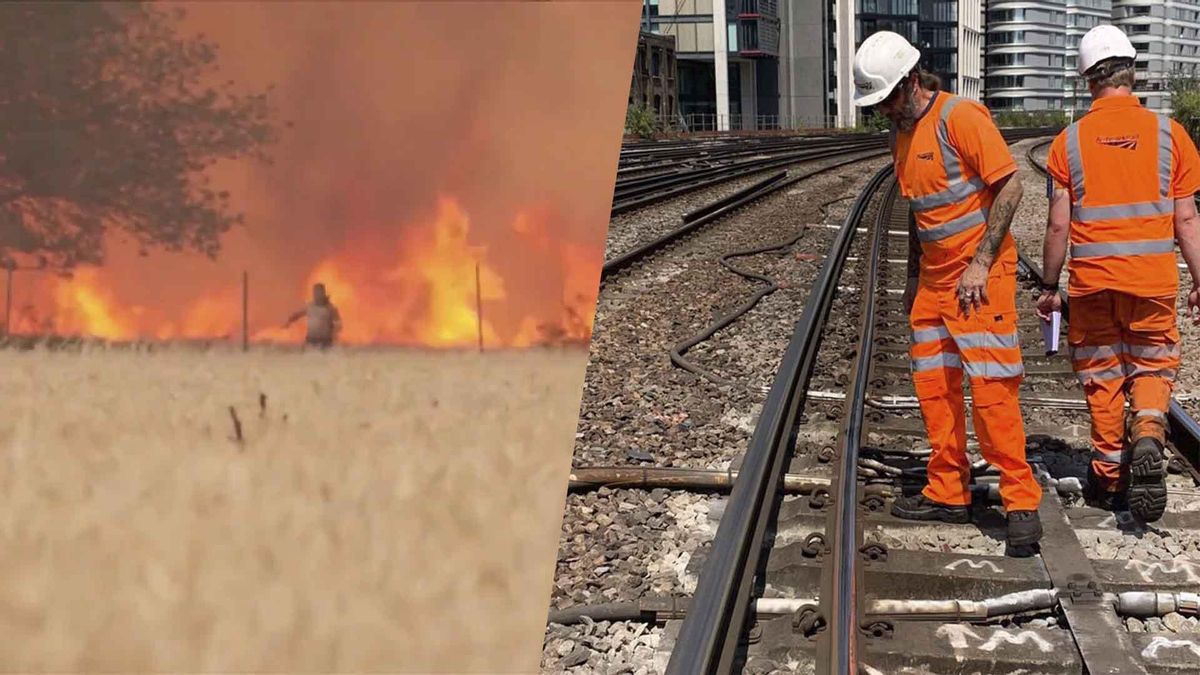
985	345
1123	346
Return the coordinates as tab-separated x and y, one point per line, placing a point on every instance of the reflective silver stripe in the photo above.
1110	457
934	362
930	334
1135	370
953	227
1153	351
957	189
1151	412
1136	210
1143	247
1096	352
949	154
1075	160
1109	373
1164	157
955	193
993	369
981	340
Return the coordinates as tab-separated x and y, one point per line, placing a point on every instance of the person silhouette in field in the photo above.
324	322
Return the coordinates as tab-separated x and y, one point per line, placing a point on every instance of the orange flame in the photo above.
417	290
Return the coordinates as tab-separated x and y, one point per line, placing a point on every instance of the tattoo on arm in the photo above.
999	219
914	247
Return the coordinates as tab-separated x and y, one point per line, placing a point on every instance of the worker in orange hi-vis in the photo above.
1125	178
961	182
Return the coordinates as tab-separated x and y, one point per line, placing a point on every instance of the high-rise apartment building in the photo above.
1024	46
816	75
1082	16
749	74
1166	35
790	62
1025	54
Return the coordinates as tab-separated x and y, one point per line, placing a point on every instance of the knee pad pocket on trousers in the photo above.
931	383
1155	318
988	392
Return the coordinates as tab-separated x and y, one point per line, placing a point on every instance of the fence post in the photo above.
8	301
245	310
478	307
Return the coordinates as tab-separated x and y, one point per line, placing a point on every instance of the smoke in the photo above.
512	110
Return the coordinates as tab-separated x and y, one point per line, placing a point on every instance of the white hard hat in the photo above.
883	60
1103	42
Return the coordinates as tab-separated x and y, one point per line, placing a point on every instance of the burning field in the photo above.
440	183
359	525
421	285
446	171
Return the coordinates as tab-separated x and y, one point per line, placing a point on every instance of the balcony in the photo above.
758	28
756	9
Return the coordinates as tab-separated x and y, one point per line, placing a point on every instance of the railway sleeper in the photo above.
914	648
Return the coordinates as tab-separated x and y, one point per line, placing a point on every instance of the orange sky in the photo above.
400	112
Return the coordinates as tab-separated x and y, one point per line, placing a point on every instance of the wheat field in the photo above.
386	511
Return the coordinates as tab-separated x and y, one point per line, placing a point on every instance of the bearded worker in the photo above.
961	182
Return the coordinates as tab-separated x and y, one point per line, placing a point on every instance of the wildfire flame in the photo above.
423	289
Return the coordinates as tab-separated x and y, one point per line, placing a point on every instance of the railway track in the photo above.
857	150
976	609
826	583
701	171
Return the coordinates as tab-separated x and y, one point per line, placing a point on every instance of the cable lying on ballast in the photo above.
682	347
679	349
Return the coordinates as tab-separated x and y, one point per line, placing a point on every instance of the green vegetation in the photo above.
639	121
876	122
1185	101
1020	119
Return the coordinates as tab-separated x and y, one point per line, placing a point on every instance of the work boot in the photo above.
1024	528
918	507
1147	491
1096	493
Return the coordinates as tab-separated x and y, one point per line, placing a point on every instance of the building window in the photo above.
939	11
1006	37
908	7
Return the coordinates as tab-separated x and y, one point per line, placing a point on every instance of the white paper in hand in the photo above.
1050	332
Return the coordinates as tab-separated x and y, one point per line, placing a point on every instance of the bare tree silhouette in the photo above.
106	122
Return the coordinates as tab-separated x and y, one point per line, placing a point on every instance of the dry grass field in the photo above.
387	511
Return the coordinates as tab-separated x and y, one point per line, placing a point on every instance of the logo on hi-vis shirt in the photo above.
1123	142
927	156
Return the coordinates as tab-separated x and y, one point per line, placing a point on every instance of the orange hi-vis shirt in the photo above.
945	167
1124	167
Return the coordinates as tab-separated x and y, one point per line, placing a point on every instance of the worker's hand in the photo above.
1194	303
1048	303
910	294
972	288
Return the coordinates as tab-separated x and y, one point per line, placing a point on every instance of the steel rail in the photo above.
625	200
723	152
708	639
728	158
630	200
837	649
748	195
